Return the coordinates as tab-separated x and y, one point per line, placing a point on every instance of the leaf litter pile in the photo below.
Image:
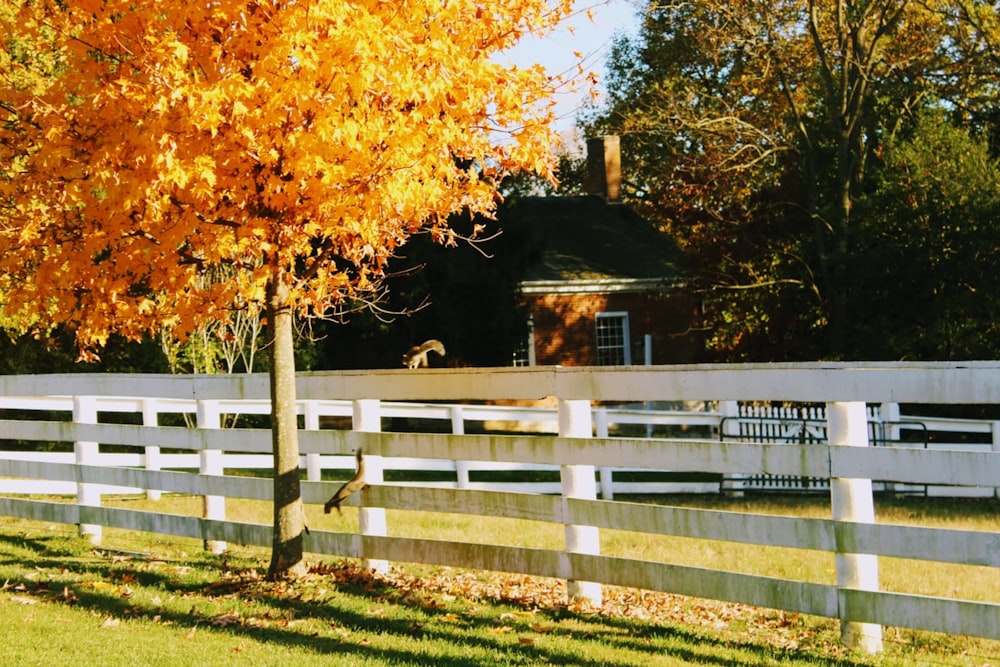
541	599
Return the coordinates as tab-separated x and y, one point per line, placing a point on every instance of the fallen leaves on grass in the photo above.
451	595
778	629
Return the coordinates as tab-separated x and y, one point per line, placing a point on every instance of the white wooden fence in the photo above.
847	461
728	420
456	418
807	425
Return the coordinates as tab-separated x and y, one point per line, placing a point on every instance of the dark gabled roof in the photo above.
585	238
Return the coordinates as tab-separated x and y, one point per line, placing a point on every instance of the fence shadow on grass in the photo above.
344	611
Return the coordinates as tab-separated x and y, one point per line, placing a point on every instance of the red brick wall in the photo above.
565	326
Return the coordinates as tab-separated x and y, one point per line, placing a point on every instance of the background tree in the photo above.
749	129
296	145
930	223
706	145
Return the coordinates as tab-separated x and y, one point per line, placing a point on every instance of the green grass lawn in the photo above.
144	599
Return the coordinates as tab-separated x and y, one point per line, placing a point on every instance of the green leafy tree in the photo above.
930	225
749	129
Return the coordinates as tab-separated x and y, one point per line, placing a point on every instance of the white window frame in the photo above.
525	354
605	346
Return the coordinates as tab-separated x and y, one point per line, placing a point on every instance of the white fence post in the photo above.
995	439
314	467
606	473
458	428
729	428
87	454
578	482
210	463
151	453
647	349
367	417
888	418
852	501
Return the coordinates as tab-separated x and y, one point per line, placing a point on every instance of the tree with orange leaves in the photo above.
164	164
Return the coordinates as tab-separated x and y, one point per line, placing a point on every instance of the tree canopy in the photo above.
751	130
306	140
930	226
165	164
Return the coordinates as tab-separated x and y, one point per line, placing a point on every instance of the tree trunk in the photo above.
841	226
286	551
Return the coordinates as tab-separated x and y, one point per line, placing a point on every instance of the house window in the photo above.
524	355
613	347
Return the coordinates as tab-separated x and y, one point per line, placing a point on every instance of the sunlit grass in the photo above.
194	570
66	603
897	575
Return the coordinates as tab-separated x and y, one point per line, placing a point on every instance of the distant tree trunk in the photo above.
848	39
286	552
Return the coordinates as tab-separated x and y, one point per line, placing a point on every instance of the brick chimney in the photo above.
604	168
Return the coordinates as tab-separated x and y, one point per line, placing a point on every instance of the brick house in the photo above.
606	287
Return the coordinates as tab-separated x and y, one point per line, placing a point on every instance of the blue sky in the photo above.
592	38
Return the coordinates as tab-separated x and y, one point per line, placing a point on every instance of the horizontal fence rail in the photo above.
583	427
728	420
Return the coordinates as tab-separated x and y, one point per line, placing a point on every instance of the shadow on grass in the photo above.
638	642
406	627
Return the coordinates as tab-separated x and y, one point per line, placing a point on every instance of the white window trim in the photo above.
530	341
621	315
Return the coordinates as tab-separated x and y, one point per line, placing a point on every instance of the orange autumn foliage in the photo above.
254	140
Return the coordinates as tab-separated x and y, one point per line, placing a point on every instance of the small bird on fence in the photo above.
356	483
